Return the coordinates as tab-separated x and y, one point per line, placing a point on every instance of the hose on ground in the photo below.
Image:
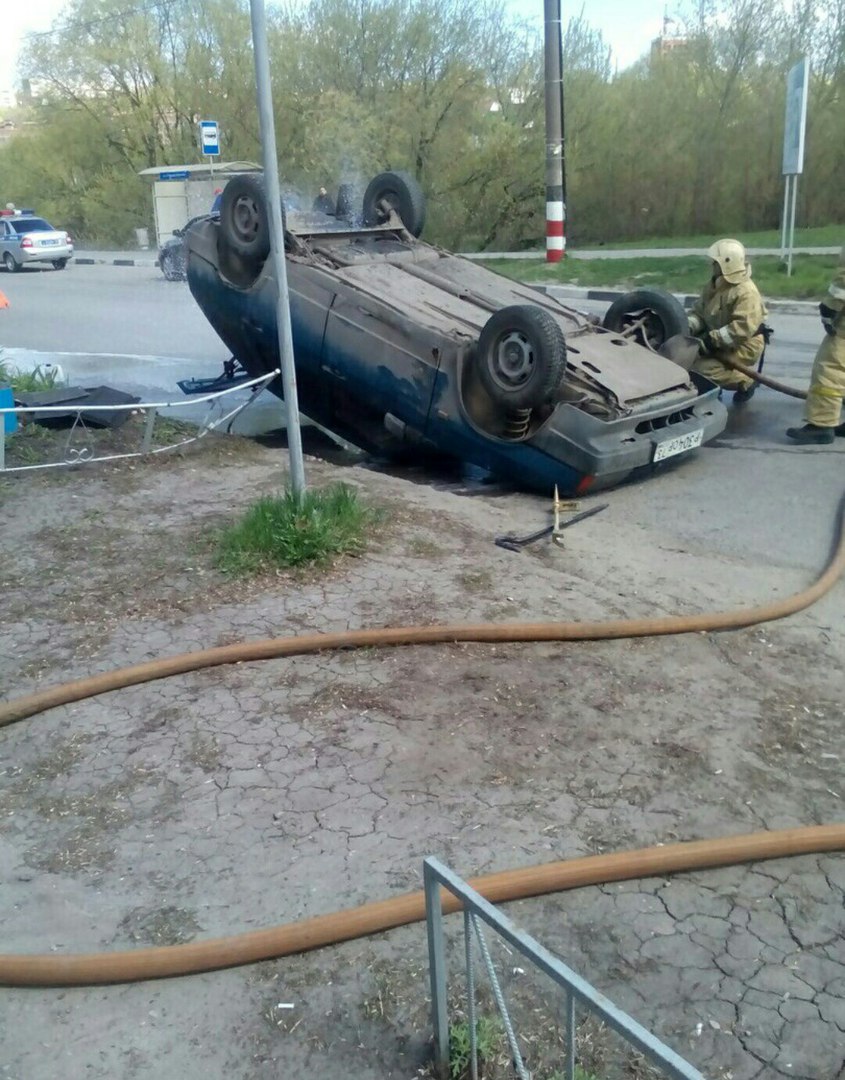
85	970
766	380
494	633
308	934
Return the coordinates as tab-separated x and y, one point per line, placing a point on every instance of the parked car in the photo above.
26	239
399	344
173	256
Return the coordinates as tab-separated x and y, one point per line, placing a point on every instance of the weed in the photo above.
289	530
489	1039
28	381
423	548
475	580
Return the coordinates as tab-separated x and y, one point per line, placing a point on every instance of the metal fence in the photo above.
576	989
215	417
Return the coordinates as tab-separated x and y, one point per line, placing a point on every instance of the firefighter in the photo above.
823	411
728	319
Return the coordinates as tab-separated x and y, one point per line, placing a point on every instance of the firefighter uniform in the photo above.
727	317
823	411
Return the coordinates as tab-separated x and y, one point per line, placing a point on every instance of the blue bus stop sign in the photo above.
210	138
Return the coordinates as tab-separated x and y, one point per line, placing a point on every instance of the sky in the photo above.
627	27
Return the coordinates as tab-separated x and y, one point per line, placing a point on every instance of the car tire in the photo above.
11	263
171	266
59	264
665	315
521	356
345	205
401	192
245	218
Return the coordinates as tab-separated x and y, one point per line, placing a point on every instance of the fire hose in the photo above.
766	380
372	918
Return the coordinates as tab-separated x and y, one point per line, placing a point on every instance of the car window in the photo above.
35	224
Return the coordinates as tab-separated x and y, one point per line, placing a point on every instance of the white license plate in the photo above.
671	447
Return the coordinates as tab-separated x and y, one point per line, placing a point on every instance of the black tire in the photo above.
245	217
169	263
9	262
59	264
345	207
400	192
665	316
521	356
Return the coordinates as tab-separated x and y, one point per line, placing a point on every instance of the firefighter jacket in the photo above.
732	314
835	297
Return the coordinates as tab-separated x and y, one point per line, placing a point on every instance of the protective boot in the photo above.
840	430
809	433
741	396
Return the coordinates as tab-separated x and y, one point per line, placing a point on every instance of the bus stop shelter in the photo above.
182	192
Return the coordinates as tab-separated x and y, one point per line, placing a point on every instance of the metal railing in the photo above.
78	455
577	990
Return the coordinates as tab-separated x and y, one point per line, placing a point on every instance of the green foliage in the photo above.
683	143
286	530
810	278
27	381
489	1039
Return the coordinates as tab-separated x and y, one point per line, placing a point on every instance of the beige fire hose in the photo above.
758	376
308	934
85	970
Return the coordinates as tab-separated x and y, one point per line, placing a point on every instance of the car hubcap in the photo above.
246	218
513	360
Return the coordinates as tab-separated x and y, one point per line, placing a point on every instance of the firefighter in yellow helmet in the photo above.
728	318
823	411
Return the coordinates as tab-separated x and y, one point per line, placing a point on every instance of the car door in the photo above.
5	230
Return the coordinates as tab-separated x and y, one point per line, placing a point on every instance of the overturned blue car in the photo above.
401	346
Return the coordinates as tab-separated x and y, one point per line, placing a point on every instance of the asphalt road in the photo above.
123	312
106	309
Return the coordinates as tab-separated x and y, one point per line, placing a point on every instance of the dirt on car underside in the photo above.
455	296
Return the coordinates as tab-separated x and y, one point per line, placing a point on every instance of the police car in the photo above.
26	238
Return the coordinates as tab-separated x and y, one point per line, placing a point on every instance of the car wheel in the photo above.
170	269
9	262
660	314
59	264
245	219
345	206
397	191
521	356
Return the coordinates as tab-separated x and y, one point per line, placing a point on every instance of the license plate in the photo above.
49	243
679	445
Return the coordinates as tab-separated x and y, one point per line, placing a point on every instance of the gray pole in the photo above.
555	189
270	164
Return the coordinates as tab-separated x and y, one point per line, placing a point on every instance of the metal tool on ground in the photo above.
517	543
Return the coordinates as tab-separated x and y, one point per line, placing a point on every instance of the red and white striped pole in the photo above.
555	224
555	171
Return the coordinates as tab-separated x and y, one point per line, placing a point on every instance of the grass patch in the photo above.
27	381
817	236
286	530
489	1042
811	274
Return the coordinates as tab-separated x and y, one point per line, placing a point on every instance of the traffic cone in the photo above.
4	303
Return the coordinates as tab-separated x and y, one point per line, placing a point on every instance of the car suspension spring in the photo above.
517	423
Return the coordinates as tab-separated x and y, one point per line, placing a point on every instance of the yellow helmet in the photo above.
730	255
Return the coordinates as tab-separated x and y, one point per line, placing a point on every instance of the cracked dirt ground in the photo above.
239	797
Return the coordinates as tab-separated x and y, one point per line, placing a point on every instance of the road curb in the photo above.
85	260
575	292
